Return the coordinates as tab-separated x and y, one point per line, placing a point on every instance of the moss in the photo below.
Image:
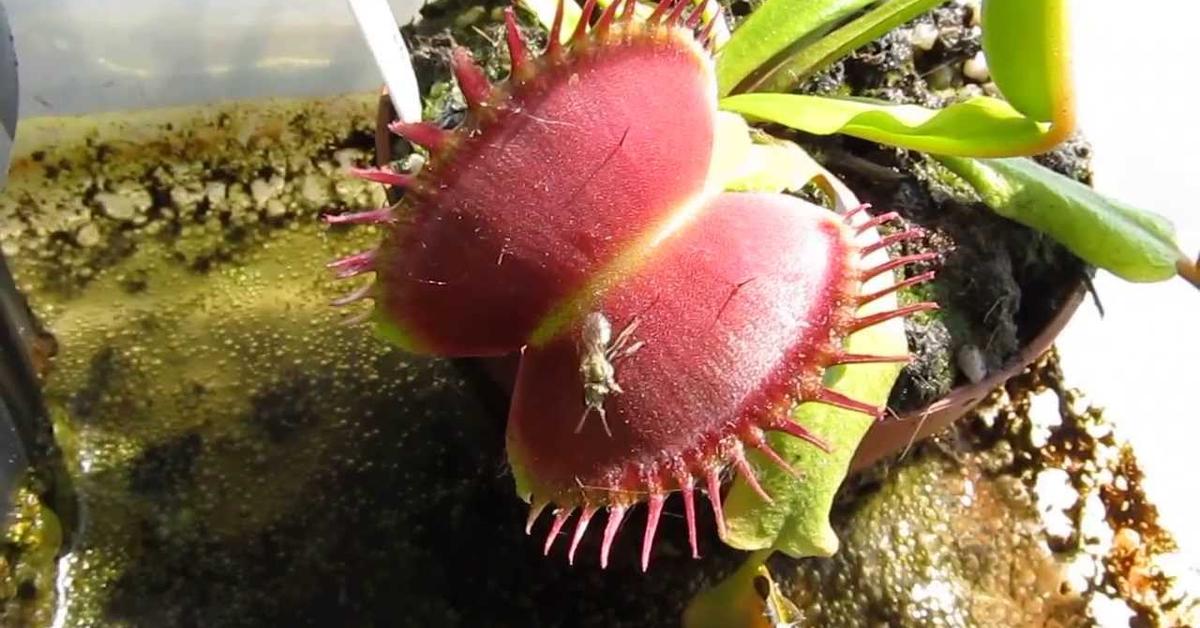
442	99
212	182
27	552
936	544
952	533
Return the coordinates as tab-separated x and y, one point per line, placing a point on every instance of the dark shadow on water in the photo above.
415	524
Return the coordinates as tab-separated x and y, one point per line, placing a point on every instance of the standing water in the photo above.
237	452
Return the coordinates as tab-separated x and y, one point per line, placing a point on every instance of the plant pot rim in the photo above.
890	436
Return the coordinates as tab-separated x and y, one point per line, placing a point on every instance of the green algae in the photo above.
207	181
958	532
28	548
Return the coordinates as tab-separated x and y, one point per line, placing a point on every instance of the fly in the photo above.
597	366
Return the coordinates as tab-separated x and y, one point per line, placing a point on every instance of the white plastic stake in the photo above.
379	28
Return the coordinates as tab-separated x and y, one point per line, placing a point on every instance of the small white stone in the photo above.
1109	612
347	157
88	236
215	192
413	163
924	36
971	362
976	68
186	197
1055	496
1043	417
276	208
314	189
124	205
262	191
1093	527
1044	406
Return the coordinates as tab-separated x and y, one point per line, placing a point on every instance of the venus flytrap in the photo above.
767	329
575	215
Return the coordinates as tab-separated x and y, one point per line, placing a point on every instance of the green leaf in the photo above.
806	58
796	522
773	166
1133	244
544	10
774	27
979	127
739	601
747	160
1025	42
731	150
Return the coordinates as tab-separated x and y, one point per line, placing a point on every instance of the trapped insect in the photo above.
597	366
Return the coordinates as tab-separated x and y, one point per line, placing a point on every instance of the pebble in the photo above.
262	191
348	157
275	208
186	197
924	36
413	163
1110	612
314	189
125	205
972	364
88	236
976	68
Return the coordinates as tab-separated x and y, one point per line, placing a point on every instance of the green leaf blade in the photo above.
1133	244
979	127
773	28
544	11
788	70
1025	42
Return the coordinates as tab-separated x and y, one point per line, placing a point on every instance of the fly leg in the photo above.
618	349
603	419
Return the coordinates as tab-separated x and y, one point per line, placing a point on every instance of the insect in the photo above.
597	366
